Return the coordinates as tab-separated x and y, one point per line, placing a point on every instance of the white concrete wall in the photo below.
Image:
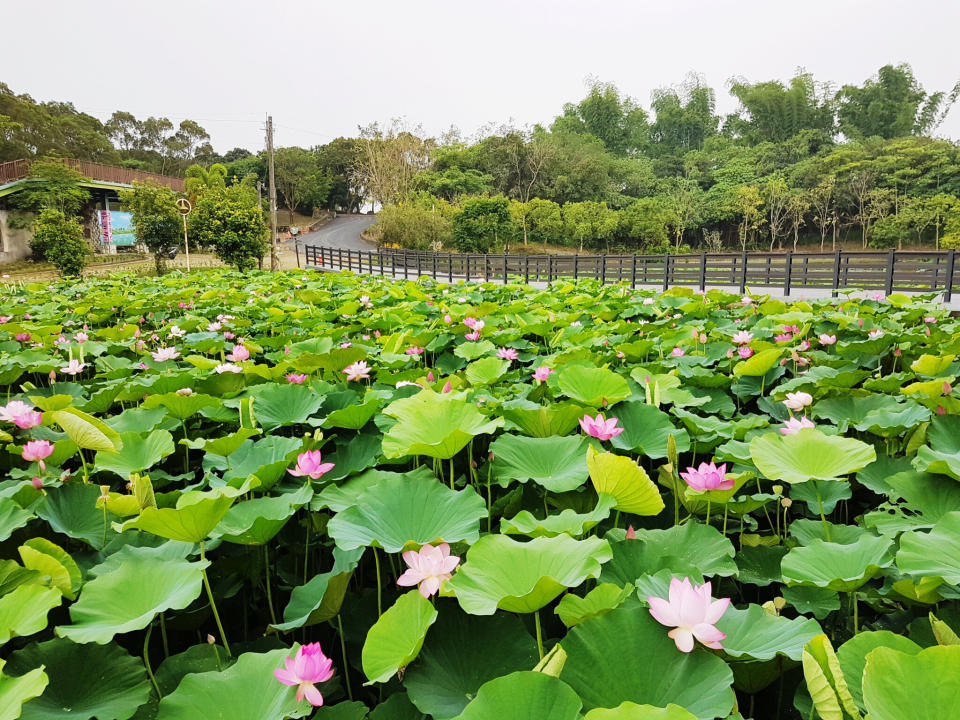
14	242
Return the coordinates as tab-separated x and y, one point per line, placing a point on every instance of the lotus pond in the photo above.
340	497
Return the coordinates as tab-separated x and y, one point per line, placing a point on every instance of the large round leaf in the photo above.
139	453
626	481
632	711
646	430
924	686
395	639
524	576
129	590
72	509
268	459
524	696
486	370
692	548
255	522
853	656
247	690
595	387
809	455
626	655
568	521
841	568
404	509
461	654
15	691
935	553
24	610
320	599
543	420
437	425
278	405
86	681
753	633
86	431
193	519
557	463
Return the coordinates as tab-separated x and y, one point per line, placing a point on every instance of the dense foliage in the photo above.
207	474
157	220
59	239
229	220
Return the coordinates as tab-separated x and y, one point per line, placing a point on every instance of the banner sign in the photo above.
106	230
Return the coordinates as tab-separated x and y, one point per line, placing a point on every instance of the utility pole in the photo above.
274	247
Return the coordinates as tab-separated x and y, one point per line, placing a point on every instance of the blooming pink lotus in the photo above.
447	319
38	451
677	352
310	666
227	368
310	464
507	354
81	337
708	477
239	354
22	337
599	427
415	350
14	409
74	367
742	337
795	425
783	337
296	378
28	420
692	613
797	401
357	371
470	322
475	335
744	351
875	334
542	373
428	568
165	353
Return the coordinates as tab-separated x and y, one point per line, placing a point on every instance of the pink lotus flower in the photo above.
631	533
744	351
345	345
947	388
38	451
81	337
742	337
746	300
428	568
309	667
74	367
14	409
791	329
310	464
239	354
415	350
165	353
357	371
542	373
507	354
798	401
470	322
784	337
22	337
227	368
28	420
708	477
430	377
37	483
795	425
599	427
677	352
692	613
941	410
214	327
447	319
475	335
295	378
874	334
930	320
827	339
447	387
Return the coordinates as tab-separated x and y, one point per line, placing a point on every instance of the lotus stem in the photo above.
823	519
451	472
146	659
376	560
163	635
708	511
83	461
856	617
536	620
213	603
343	654
266	571
725	520
306	551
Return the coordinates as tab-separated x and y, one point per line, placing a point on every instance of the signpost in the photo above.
184	206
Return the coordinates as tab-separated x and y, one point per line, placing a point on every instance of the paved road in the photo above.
343	232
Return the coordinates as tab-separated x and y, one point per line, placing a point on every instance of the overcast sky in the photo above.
322	68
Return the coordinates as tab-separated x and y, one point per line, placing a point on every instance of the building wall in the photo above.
14	243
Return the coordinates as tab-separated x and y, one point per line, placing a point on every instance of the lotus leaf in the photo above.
626	481
523	696
435	425
841	568
809	455
557	463
921	686
395	639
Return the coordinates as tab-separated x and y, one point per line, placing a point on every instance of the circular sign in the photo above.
184	206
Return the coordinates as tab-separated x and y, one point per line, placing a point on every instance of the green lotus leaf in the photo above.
816	601
276	405
853	656
841	568
395	639
632	711
340	497
893	419
486	371
809	455
759	363
86	431
626	655
223	446
268	459
935	553
924	686
404	509
683	549
557	463
180	406
573	609
848	410
942	455
355	415
542	421
23	611
594	387
15	691
52	561
437	425
932	365
646	430
462	653
193	519
567	521
12	517
137	419
101	682
320	599
825	681
72	510
756	634
523	696
139	453
626	481
247	689
195	659
474	350
129	590
257	521
524	576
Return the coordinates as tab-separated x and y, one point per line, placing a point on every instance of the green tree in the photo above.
685	117
53	185
684	201
59	239
776	197
157	220
773	112
299	178
747	203
647	222
545	220
482	224
199	179
589	220
617	121
424	223
230	221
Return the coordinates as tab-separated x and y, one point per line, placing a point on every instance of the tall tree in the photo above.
617	121
774	112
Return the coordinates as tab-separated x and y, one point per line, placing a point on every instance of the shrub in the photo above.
482	224
60	239
156	219
415	225
230	221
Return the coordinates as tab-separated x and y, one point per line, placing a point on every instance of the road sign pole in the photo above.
186	242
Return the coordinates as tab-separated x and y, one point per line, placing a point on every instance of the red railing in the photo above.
19	169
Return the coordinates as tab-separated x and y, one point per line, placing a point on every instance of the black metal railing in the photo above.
889	271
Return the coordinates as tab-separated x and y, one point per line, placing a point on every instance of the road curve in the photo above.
342	232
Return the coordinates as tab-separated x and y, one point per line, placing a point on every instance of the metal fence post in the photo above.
467	266
549	269
633	273
888	282
340	258
419	266
666	271
743	272
526	269
450	267
836	273
576	265
296	248
948	292
703	271
406	266
504	267
788	266
603	269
